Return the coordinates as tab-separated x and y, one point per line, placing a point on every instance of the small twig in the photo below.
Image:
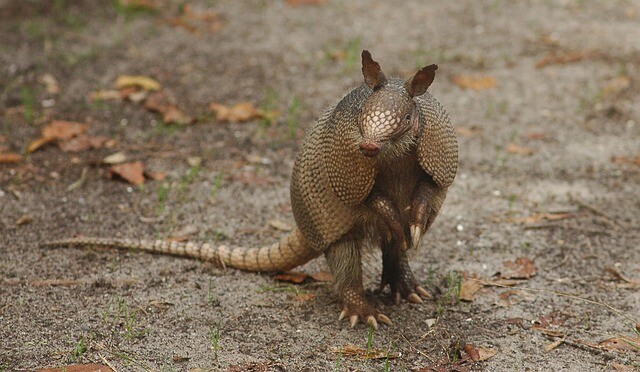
597	211
107	363
416	349
80	181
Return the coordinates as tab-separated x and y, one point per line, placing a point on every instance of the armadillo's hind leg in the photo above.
344	260
398	275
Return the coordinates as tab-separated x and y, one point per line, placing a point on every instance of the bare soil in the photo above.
566	98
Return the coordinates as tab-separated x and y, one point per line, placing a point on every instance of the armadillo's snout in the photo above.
369	148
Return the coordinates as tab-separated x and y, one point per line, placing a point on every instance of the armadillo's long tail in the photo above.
291	251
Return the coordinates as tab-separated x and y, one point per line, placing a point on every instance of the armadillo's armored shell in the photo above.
437	142
331	178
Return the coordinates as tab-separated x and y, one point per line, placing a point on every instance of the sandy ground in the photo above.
554	130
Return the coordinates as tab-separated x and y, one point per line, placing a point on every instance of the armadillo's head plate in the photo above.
385	117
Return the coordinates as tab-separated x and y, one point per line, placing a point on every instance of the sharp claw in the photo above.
397	298
372	321
423	292
403	245
343	314
383	319
414	298
416	234
353	320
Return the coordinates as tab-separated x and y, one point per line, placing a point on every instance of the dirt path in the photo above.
545	98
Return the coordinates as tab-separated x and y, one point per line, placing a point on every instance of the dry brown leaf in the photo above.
142	82
620	343
623	367
105	95
57	130
539	217
24	219
81	143
363	353
478	354
619	276
9	157
562	59
626	160
468	289
295	277
78	368
322	276
521	268
305	2
512	148
239	112
130	172
160	103
474	82
50	83
156	176
173	115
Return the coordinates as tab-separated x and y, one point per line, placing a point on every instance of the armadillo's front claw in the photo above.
343	314
384	319
353	320
416	235
372	322
414	298
423	292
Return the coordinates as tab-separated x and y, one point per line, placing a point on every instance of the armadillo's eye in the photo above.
407	117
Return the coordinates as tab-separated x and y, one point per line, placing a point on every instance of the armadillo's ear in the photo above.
418	84
373	75
437	142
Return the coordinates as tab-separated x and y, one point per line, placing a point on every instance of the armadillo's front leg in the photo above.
398	275
384	207
344	259
426	201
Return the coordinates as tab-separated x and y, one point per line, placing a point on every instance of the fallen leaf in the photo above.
512	148
504	298
625	160
24	219
160	103
143	82
468	289
474	82
521	268
280	225
105	95
478	354
81	143
322	276
295	277
9	157
115	158
561	59
616	85
305	2
173	115
130	172
50	83
619	276
239	112
57	130
363	353
62	130
539	217
156	176
78	368
620	343
623	367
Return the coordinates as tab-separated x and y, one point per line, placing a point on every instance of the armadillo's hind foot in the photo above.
397	274
357	308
